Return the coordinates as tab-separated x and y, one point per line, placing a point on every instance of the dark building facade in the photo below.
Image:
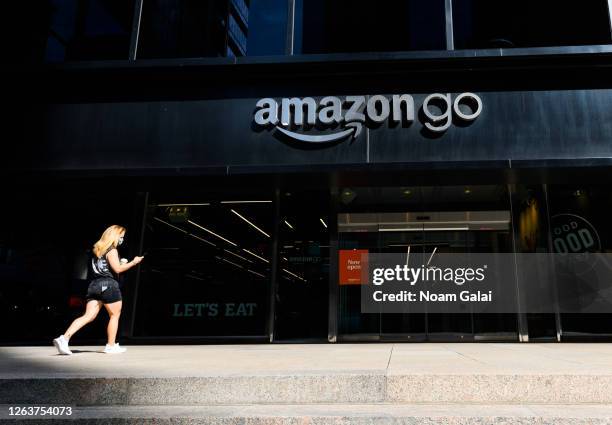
248	146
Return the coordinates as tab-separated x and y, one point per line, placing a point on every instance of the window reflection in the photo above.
343	26
267	33
524	23
89	29
182	28
212	28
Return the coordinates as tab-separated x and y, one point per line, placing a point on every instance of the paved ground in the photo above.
356	384
233	360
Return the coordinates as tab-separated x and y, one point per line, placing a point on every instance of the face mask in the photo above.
120	241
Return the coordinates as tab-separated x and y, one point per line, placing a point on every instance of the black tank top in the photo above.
100	266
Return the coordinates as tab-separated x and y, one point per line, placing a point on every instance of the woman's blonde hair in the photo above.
108	239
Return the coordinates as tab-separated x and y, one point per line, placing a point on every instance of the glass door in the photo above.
421	222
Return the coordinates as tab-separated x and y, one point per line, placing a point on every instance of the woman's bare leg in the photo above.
91	311
114	311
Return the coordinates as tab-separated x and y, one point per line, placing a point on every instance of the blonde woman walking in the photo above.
103	290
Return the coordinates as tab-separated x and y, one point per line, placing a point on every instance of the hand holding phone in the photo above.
137	259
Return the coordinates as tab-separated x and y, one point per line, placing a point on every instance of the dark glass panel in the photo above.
345	26
527	23
183	28
89	29
46	236
267	28
303	271
212	28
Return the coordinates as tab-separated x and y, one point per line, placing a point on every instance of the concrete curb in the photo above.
309	388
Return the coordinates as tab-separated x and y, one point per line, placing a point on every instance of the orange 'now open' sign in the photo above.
353	262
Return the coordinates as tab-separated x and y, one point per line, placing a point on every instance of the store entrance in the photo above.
420	222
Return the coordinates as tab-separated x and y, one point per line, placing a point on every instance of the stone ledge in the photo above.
310	388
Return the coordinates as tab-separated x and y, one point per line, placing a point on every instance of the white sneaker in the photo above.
62	345
114	349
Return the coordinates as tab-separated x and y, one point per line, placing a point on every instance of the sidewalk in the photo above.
227	360
319	383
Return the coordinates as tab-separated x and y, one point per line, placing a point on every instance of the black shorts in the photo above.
104	289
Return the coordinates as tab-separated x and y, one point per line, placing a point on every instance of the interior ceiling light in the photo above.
237	255
171	225
211	232
249	222
255	255
293	274
184	205
229	262
347	196
246	202
193	277
201	239
323	222
288	225
255	273
183	231
421	229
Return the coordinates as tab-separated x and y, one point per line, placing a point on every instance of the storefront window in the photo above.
302	299
346	26
208	268
523	23
580	222
88	29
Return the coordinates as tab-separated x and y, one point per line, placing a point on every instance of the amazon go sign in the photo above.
348	115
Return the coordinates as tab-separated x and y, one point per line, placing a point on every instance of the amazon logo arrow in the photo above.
354	130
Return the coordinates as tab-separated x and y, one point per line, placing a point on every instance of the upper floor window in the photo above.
345	26
209	28
66	30
528	23
88	29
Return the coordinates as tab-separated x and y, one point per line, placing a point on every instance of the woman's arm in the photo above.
113	261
